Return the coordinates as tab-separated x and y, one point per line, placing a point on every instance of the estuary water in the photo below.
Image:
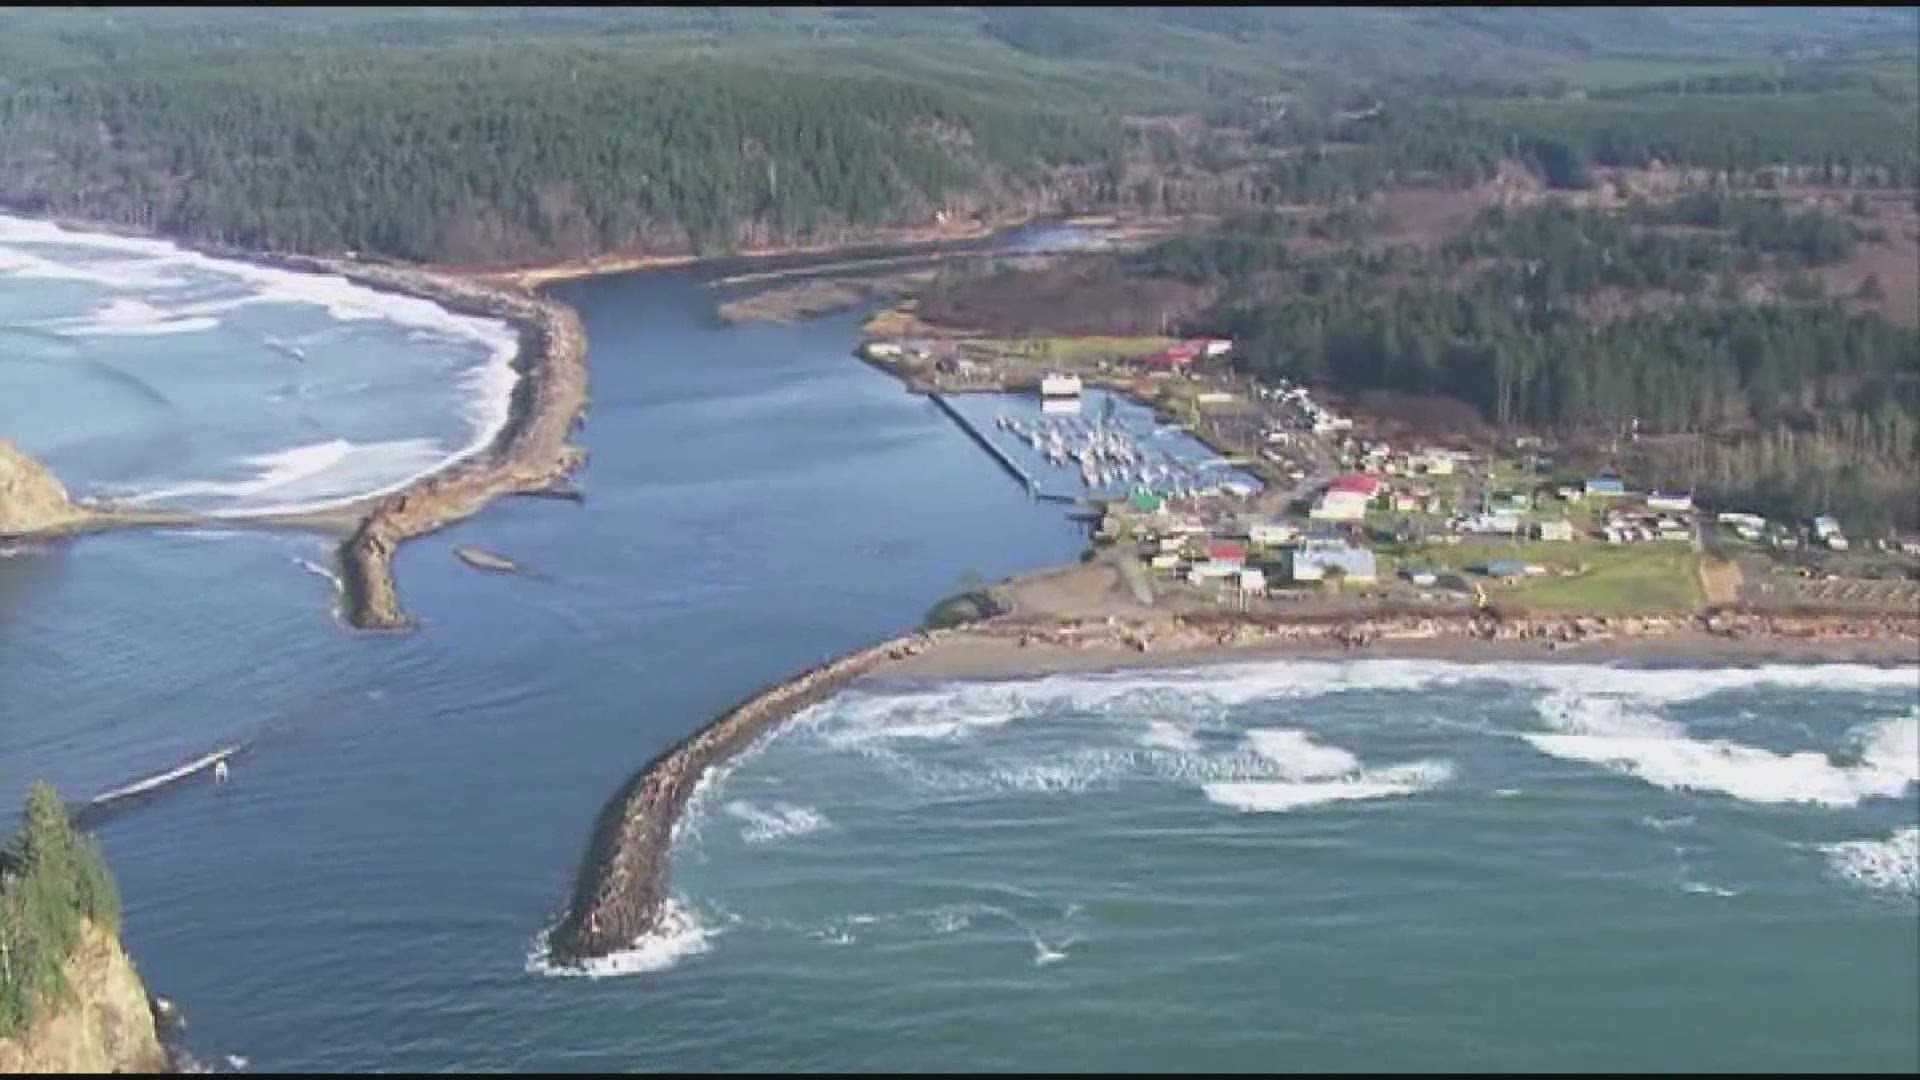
1289	865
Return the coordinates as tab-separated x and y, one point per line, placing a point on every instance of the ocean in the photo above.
1287	865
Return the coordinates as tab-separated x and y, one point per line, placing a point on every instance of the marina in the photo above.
1109	448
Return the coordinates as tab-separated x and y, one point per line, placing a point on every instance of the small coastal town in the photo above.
1099	540
1309	506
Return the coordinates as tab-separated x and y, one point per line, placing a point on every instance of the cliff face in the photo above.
107	1026
31	499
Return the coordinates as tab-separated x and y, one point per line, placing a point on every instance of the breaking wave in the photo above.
777	822
310	477
172	284
1621	736
680	935
1311	774
1597	714
1890	865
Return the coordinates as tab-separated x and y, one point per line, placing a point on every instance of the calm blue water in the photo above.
1287	866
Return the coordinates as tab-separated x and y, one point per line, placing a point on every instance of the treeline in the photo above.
1553	252
1689	369
496	153
1842	137
52	879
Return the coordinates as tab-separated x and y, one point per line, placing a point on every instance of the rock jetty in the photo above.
32	500
619	894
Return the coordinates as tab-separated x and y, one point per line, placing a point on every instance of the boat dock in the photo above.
1005	459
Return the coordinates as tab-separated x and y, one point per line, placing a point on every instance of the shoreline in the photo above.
533	277
529	454
619	891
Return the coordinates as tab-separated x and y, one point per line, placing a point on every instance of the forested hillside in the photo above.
513	135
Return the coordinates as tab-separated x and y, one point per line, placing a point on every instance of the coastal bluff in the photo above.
32	499
107	1025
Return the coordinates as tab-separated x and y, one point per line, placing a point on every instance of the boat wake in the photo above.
101	806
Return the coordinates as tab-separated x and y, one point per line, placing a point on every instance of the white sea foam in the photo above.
1705	889
680	936
1297	757
1275	796
1607	732
956	709
316	569
1890	865
1044	954
128	316
309	477
150	266
777	822
1166	735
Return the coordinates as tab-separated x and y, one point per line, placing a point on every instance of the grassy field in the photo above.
1083	350
1610	578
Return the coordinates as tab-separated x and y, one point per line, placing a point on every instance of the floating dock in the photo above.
981	437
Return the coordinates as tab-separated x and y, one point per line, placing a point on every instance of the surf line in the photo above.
102	806
619	894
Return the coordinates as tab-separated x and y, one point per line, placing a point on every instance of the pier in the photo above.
981	437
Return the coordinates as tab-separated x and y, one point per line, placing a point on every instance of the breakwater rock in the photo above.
32	499
620	891
532	454
1194	632
481	559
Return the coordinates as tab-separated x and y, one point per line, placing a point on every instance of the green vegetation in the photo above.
51	880
502	135
1804	406
966	607
1586	577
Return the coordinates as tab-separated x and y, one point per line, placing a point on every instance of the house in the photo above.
1313	559
1825	526
1681	504
1561	530
1360	484
1500	521
1271	533
1166	560
1432	462
1339	506
1213	347
1339	503
1227	551
1605	485
1175	357
1570	492
1212	571
1253	581
1056	384
1511	500
1501	568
